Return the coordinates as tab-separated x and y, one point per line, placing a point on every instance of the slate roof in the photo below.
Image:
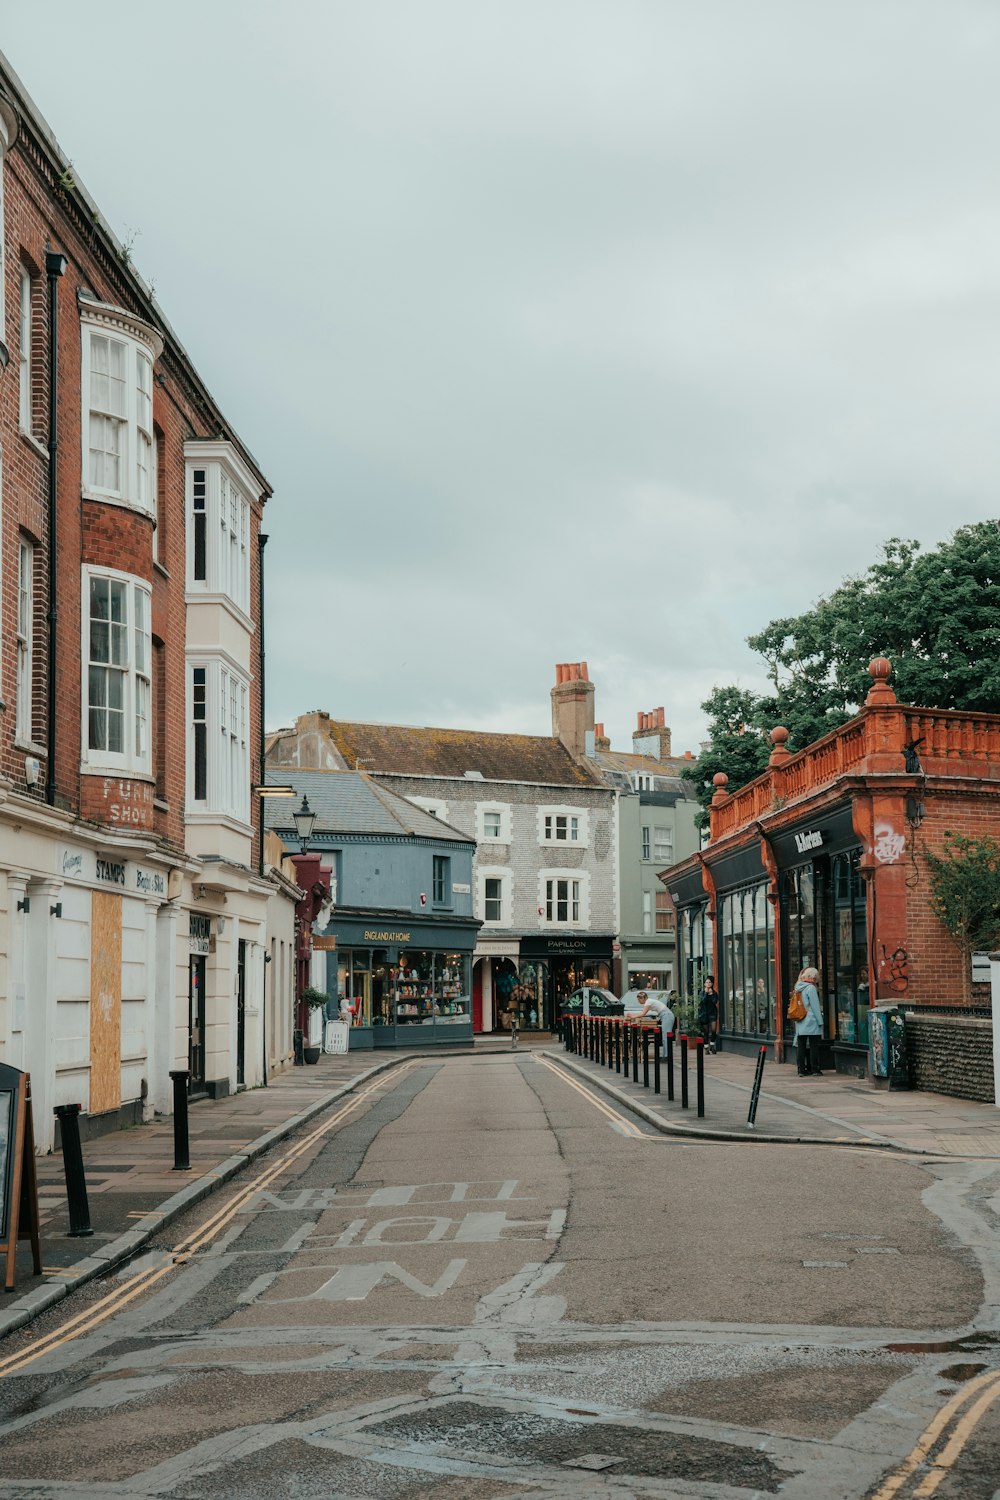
349	802
409	751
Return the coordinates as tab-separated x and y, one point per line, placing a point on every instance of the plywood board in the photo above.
105	1003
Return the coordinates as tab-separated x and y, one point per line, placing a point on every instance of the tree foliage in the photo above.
935	615
965	892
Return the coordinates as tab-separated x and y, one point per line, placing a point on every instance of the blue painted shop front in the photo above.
408	978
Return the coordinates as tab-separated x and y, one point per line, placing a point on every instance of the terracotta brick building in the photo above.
131	867
821	861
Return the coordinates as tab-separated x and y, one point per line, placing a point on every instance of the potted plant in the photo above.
316	1001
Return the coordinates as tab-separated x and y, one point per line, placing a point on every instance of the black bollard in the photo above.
670	1066
684	1072
68	1116
755	1096
618	1046
645	1057
699	1058
603	1034
635	1053
657	1043
182	1157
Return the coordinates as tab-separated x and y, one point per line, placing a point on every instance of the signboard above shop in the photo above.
112	871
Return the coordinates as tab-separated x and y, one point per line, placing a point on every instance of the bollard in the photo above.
182	1159
670	1066
657	1042
635	1053
68	1116
618	1046
602	1023
612	1034
755	1096
699	1073
684	1072
645	1057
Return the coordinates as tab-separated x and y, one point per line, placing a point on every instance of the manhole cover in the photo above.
592	1461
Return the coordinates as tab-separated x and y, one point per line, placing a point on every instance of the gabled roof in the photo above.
409	751
349	802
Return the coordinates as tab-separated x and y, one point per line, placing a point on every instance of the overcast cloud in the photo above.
563	329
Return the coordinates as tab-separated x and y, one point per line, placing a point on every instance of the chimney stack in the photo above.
573	707
601	740
651	735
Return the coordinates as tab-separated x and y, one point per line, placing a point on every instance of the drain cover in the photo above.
592	1461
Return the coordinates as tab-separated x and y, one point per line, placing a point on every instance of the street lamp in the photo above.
304	818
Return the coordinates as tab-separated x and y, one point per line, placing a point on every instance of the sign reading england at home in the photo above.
371	936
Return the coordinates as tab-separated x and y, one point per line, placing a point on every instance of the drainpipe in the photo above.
261	544
55	267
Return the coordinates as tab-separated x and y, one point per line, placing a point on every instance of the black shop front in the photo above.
551	968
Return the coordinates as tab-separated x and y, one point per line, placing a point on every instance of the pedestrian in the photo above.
658	1010
708	1014
513	1017
346	1010
810	1027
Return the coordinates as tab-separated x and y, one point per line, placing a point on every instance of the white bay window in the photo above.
219	740
218	507
117	662
118	356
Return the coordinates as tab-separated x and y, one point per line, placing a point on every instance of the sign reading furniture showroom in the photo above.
110	871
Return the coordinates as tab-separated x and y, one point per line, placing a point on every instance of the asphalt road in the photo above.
480	1280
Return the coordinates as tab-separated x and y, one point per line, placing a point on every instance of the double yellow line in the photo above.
111	1304
968	1406
629	1128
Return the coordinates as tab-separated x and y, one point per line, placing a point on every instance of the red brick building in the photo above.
133	899
820	861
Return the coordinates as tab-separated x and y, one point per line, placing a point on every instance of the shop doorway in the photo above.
506	999
477	995
196	1023
241	1014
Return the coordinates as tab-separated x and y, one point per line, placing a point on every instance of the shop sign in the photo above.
149	882
373	936
324	942
109	871
566	945
461	889
811	840
199	932
72	863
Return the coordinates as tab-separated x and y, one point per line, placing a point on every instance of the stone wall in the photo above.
951	1055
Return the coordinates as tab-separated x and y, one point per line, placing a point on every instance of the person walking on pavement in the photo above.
659	1011
810	1027
708	1014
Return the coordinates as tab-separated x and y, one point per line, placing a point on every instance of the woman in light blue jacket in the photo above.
810	1027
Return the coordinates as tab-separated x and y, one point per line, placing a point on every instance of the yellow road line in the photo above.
115	1300
964	1429
932	1432
629	1128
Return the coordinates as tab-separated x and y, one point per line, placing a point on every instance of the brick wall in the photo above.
951	1055
937	973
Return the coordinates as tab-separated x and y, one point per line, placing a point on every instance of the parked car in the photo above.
590	1000
632	1006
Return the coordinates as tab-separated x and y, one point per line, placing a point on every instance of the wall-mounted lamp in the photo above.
56	911
24	904
267	958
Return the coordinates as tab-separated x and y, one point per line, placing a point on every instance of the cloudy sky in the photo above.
600	330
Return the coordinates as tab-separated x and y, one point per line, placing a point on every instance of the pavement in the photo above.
133	1189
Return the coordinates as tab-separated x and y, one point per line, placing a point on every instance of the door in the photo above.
241	1013
477	995
196	1023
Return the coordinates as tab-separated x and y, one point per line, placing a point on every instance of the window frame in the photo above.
219	496
135	671
25	363
665	843
501	811
576	824
441	880
24	670
140	343
218	739
502	876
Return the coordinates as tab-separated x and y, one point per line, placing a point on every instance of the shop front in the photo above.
409	982
551	968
